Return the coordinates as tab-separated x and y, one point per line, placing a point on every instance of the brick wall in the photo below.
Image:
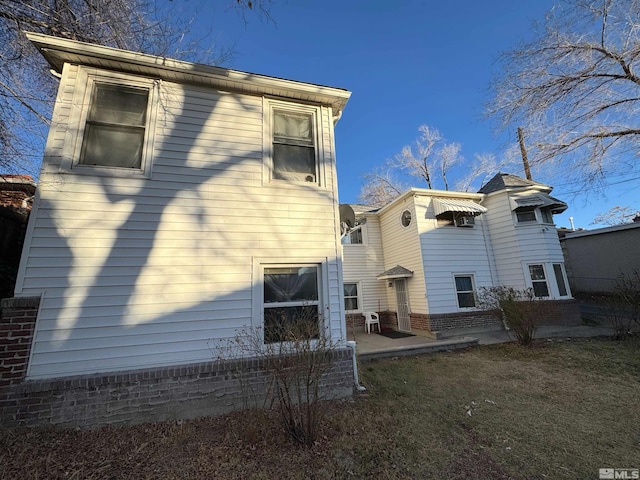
551	312
17	323
449	321
186	391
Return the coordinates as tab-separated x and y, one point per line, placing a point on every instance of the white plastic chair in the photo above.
371	318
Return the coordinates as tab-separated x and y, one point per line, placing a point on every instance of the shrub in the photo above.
518	309
624	304
296	365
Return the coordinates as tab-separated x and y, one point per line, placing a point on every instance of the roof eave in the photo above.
58	51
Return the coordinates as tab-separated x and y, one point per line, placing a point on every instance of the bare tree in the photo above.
616	216
380	187
27	88
575	88
450	156
420	160
428	161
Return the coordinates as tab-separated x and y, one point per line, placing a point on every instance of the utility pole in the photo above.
523	151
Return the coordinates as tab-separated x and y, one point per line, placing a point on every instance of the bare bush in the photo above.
297	354
518	308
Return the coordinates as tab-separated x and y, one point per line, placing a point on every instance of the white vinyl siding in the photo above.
447	251
402	247
363	263
146	272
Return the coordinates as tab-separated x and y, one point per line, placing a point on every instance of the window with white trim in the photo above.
351	301
539	280
465	291
558	270
526	215
354	236
294	155
534	215
116	124
456	219
291	302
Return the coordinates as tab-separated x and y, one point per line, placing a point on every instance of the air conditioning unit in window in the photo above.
466	221
296	177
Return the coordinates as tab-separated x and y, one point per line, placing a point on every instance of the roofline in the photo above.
597	231
428	192
57	51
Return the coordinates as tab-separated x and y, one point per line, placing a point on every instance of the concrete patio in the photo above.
373	345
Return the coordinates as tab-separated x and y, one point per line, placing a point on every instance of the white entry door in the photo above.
402	301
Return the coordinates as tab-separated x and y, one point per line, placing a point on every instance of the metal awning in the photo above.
538	200
444	205
395	272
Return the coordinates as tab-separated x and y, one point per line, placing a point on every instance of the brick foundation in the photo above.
551	312
450	321
17	323
186	391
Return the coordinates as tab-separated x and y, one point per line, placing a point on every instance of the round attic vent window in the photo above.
406	218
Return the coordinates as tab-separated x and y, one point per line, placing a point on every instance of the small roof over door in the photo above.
444	205
395	272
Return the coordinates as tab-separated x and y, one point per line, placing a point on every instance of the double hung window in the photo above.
114	132
291	303
351	297
294	146
465	291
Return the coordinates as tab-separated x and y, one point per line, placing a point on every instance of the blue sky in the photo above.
407	63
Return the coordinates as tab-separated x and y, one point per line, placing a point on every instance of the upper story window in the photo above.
294	155
114	132
456	219
116	124
354	236
526	215
536	208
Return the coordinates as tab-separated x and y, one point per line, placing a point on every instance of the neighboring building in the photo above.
596	258
16	198
178	205
421	259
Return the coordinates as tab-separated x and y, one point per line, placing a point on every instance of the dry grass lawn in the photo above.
560	409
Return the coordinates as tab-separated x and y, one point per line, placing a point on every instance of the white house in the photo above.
177	204
421	259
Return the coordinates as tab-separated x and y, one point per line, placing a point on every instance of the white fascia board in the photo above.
58	51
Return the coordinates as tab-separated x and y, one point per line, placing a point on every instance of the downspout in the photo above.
352	345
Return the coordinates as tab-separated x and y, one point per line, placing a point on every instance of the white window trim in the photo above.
473	287
358	296
530	281
538	221
269	105
564	277
363	230
552	283
84	84
260	263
